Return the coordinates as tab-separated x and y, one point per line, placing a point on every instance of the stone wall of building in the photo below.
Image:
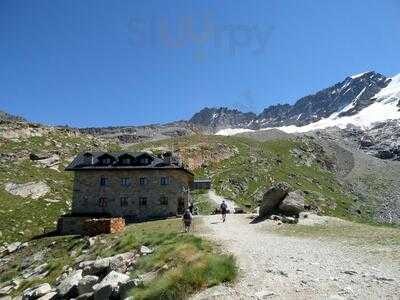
122	193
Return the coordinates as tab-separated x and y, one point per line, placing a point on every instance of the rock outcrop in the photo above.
34	190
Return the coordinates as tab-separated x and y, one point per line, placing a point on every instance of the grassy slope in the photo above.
256	165
185	263
22	218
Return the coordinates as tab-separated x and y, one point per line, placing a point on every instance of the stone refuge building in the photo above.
135	186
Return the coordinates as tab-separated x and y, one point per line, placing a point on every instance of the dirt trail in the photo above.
218	200
280	267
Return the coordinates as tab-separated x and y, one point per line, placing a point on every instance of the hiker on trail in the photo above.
224	209
187	220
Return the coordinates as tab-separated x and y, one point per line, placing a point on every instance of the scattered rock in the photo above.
86	283
96	267
265	294
36	291
382	278
49	296
5	290
275	218
39	272
104	292
92	241
87	296
39	156
289	220
145	250
109	285
34	190
13	247
52	161
293	203
350	272
68	287
125	287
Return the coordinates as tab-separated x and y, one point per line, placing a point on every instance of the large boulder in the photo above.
293	204
273	197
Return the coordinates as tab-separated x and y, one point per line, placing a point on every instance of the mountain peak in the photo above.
345	98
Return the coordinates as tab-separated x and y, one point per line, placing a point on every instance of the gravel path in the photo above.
218	200
280	267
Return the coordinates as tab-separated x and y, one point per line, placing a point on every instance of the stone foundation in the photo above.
85	225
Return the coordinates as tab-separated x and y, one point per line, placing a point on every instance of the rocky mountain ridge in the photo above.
354	94
4	116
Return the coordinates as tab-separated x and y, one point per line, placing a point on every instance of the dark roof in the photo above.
80	163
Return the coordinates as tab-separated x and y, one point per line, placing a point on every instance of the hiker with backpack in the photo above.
187	220
224	210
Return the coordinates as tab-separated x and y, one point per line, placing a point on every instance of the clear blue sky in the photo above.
98	63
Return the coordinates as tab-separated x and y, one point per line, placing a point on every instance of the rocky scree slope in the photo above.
375	182
138	134
34	189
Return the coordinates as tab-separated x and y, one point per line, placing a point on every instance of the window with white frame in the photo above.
142	180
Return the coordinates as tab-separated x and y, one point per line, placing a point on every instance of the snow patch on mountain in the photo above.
232	131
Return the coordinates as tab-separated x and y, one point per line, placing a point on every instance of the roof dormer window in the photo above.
106	159
88	159
126	161
144	161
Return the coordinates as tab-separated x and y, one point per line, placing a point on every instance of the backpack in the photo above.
224	206
187	216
